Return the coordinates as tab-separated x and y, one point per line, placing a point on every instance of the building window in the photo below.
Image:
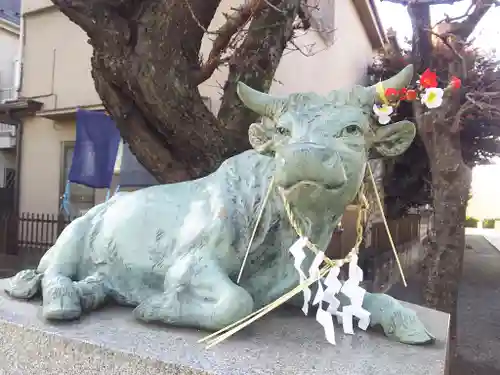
81	198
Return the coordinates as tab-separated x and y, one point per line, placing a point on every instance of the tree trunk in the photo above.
257	59
451	180
146	67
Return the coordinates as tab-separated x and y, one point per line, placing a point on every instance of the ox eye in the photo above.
351	130
283	131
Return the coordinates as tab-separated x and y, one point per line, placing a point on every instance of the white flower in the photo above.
384	120
433	97
383	113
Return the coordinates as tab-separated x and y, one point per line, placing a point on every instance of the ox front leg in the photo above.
398	322
197	293
64	299
60	298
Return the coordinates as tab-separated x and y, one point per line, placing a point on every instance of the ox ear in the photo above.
260	136
394	139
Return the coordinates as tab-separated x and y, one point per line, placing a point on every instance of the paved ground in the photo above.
478	309
478	306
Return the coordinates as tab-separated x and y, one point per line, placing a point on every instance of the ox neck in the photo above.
315	210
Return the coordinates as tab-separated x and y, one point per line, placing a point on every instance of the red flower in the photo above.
411	95
402	93
391	94
455	83
428	79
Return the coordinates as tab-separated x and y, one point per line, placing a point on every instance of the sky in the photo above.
485	179
487	33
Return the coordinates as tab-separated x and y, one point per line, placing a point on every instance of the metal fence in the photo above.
30	233
34	233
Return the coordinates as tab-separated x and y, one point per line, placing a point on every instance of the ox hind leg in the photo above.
24	285
197	293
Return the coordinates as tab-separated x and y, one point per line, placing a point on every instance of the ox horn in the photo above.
398	81
259	102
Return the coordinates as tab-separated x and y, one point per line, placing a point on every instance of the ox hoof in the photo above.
56	313
60	299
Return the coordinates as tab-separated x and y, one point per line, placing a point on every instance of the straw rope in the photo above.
362	204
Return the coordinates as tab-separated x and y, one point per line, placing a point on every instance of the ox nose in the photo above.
307	150
310	161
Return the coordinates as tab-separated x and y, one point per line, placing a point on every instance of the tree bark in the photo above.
256	60
451	180
143	76
146	69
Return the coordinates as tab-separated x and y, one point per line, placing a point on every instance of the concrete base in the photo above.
111	342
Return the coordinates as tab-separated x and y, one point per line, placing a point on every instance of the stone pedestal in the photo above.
111	342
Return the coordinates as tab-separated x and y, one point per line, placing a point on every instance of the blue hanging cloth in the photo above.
65	205
132	173
96	147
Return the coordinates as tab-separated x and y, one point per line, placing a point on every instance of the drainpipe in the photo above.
19	126
19	153
20	58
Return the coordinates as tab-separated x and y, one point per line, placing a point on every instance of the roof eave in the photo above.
370	18
13	111
9	26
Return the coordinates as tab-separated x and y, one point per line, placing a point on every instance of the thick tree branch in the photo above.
152	77
235	22
305	16
421	39
462	29
465	28
135	130
256	60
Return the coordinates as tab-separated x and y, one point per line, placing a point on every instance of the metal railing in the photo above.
7	129
7	94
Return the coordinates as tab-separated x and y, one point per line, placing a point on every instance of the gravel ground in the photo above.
478	310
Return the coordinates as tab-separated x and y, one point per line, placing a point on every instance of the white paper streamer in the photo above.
325	319
333	286
314	269
350	289
297	250
356	294
319	294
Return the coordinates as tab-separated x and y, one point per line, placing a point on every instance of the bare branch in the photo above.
444	38
423	2
486	102
256	59
449	19
305	17
227	34
195	18
235	23
307	50
465	28
421	39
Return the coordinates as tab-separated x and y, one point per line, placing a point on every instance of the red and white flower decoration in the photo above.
383	113
427	92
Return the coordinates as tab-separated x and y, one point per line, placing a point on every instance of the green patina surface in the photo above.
174	251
